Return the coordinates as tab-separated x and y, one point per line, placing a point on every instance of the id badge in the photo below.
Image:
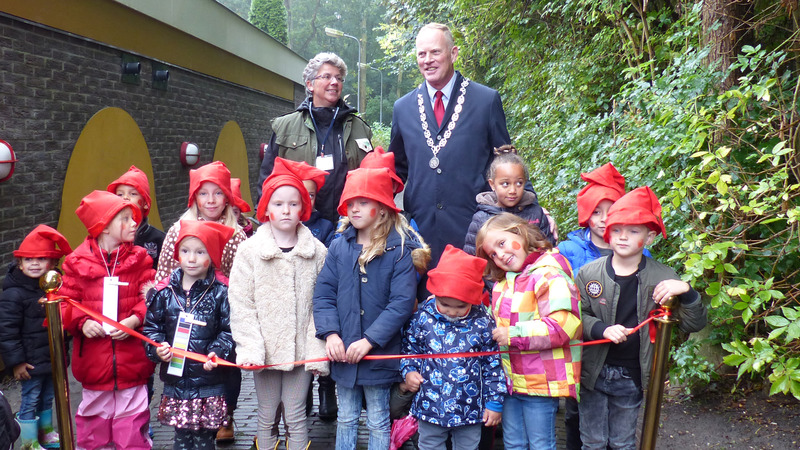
111	300
324	162
181	341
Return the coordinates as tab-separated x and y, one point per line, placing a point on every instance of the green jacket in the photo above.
602	307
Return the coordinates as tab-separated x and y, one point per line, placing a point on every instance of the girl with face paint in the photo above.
537	310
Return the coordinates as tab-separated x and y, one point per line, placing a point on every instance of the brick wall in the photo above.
52	83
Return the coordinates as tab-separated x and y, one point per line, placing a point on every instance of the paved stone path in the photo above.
322	434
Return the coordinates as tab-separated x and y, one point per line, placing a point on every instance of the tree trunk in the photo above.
722	28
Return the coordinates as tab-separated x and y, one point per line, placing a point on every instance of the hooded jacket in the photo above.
455	391
208	302
541	307
23	337
295	138
103	364
528	208
373	305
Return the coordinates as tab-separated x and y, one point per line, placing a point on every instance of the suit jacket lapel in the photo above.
451	104
426	102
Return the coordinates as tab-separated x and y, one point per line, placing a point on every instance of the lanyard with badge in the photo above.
324	162
111	286
183	331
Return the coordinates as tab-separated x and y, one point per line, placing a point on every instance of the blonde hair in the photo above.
533	239
420	257
228	218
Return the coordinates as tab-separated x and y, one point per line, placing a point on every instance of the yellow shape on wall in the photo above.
109	144
232	150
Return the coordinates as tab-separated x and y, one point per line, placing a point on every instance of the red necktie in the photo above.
438	108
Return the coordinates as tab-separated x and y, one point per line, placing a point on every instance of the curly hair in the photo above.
533	239
315	63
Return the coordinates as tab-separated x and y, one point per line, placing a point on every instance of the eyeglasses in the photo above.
328	77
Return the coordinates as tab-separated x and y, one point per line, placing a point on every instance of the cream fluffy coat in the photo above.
270	295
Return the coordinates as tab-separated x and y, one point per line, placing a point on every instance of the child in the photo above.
455	395
106	273
272	282
507	176
192	313
617	293
241	206
211	200
24	341
535	305
605	186
134	186
364	295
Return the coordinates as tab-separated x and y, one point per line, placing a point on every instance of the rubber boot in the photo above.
29	433
327	399
48	437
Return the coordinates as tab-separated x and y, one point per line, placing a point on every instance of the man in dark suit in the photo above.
443	135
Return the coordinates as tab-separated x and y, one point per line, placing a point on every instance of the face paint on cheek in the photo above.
272	217
641	244
373	212
206	263
516	245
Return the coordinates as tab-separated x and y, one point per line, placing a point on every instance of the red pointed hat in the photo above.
43	242
216	172
379	158
459	275
213	235
374	184
238	201
605	183
98	209
638	207
282	175
302	170
138	179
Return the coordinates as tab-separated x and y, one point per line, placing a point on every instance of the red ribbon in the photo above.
203	358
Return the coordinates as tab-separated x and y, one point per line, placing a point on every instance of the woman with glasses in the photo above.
324	131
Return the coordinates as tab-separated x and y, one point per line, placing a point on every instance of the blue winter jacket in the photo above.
373	305
579	249
455	390
320	227
528	208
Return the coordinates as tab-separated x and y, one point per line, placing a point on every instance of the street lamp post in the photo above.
332	32
381	109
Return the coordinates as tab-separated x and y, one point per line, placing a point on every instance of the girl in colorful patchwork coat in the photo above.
537	309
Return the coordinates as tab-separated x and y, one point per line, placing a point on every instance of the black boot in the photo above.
327	399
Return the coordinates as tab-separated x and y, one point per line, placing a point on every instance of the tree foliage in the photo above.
585	82
270	17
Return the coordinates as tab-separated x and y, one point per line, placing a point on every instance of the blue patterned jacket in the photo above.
455	390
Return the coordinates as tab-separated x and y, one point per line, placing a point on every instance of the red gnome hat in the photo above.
98	209
216	172
374	184
379	158
638	207
282	175
138	179
302	170
238	201
43	242
459	275
213	235
605	183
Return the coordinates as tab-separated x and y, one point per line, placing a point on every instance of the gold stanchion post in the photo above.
50	283
658	373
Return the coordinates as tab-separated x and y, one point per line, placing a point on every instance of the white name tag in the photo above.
324	162
364	144
111	300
